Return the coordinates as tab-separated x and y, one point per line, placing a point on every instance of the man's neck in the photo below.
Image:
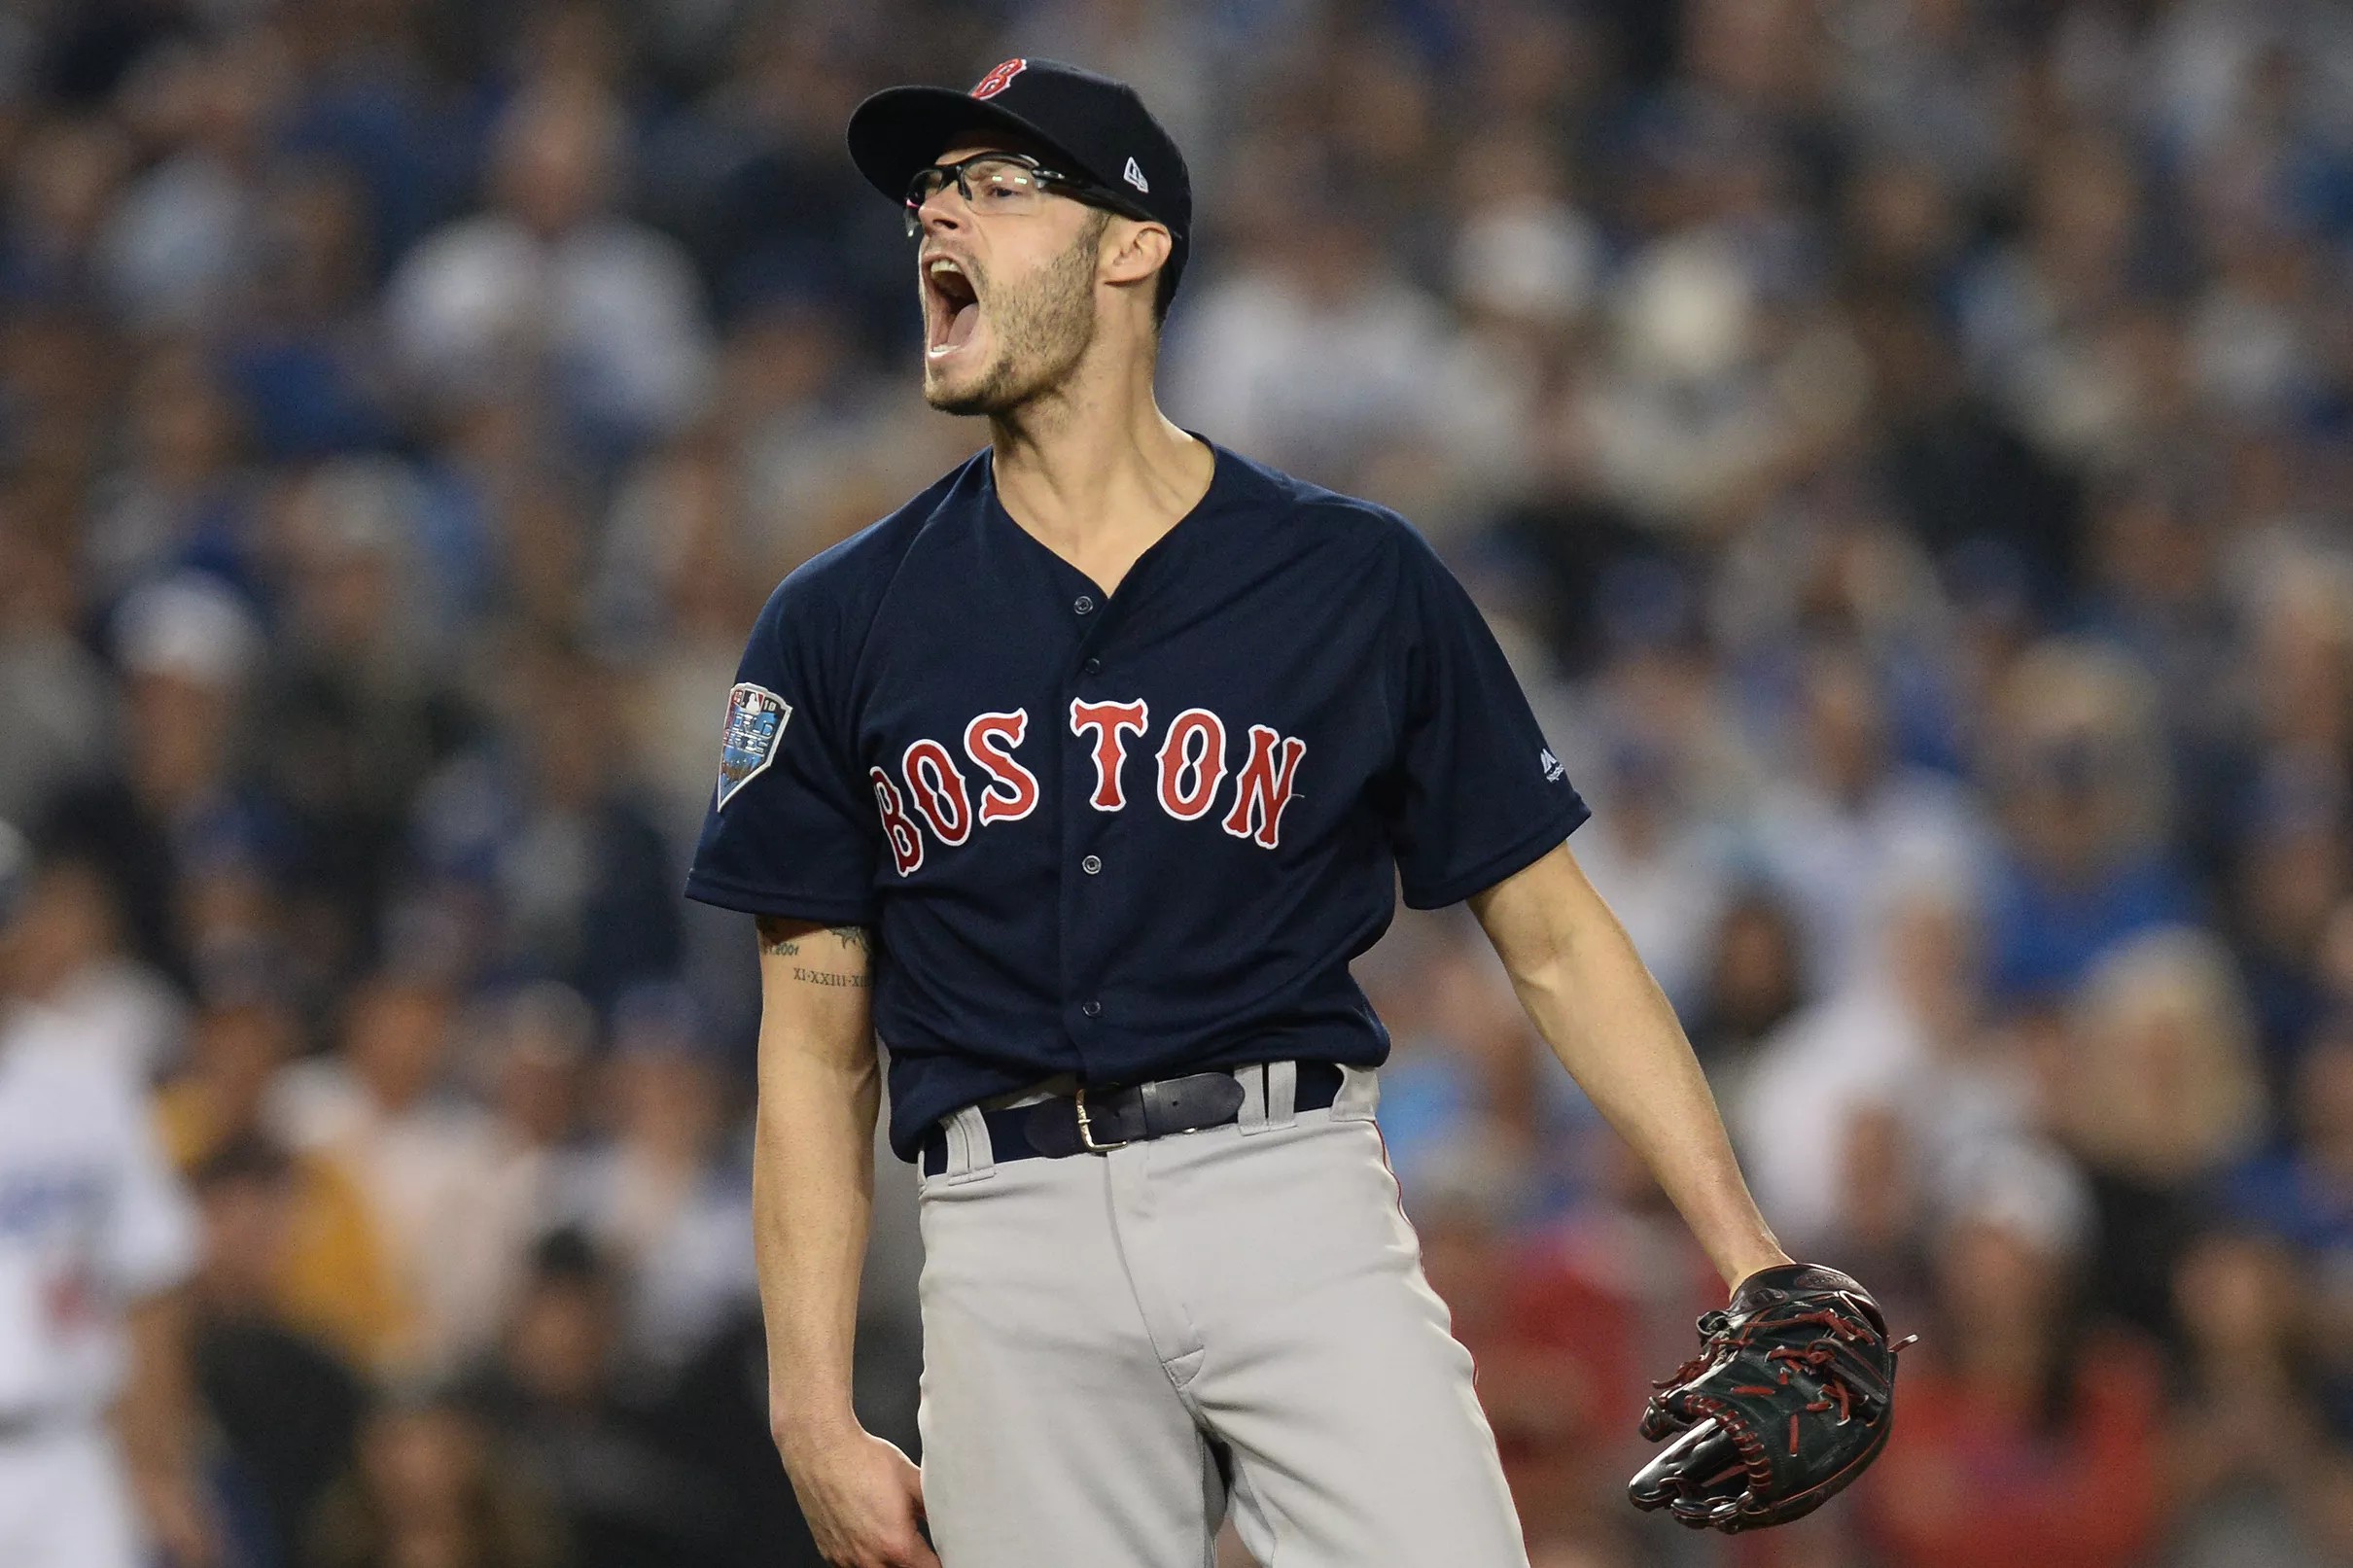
1095	472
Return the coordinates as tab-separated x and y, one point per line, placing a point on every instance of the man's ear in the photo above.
1133	250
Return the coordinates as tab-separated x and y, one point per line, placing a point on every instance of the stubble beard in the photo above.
1043	330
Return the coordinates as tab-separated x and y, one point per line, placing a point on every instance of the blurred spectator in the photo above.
286	1406
667	1195
180	240
2302	1194
769	206
2281	785
430	1488
2248	1428
1523	271
2159	1095
1897	1068
2290	869
550	1396
2024	1443
1849	816
2154	590
176	805
554	291
99	1242
1756	980
540	848
95	998
329	1277
382	1110
56	704
304	361
183	500
1723	380
2081	773
1977	495
528	1068
1314	343
2032	312
526	1057
69	173
360	707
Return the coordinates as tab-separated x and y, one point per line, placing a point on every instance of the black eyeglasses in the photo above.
1008	183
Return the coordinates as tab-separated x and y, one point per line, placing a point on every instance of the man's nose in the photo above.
943	211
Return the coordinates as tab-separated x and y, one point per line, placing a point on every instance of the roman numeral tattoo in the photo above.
784	939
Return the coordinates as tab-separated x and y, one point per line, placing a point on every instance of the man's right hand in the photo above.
862	1499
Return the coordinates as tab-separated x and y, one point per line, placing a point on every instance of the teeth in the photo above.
943	264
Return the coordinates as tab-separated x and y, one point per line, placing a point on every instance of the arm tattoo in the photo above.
827	977
775	942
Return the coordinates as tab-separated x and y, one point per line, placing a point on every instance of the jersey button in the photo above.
1094	667
1090	864
1093	1009
1084	604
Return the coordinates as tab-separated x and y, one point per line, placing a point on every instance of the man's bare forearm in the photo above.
155	1419
1594	1001
154	1415
813	1176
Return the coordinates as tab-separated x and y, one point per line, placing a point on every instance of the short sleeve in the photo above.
150	1243
1479	793
791	828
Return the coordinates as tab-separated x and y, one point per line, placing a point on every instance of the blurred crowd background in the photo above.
1904	444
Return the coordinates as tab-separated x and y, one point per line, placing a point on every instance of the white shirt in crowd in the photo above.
611	309
91	1219
431	1173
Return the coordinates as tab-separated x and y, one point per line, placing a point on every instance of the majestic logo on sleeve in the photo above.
998	79
756	718
1554	773
931	796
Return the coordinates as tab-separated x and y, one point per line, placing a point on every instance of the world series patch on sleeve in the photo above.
755	720
1790	1398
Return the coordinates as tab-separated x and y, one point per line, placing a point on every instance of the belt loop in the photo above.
1252	1116
1359	1093
971	1157
1282	1093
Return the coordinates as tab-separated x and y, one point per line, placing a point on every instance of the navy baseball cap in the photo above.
1097	126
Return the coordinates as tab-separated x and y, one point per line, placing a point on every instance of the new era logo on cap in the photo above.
998	79
1134	175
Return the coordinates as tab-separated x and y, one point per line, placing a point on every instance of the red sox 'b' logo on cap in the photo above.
997	80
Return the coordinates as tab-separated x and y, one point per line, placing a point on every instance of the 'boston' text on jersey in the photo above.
1188	773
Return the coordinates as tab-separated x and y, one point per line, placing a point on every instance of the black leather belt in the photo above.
1097	1121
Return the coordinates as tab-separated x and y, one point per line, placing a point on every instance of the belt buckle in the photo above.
1087	1128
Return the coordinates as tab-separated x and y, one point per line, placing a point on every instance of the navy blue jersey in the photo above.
1128	835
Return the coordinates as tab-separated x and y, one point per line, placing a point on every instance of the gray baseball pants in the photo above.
1119	1347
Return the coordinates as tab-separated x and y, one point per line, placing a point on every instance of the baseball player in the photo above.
94	1235
1080	778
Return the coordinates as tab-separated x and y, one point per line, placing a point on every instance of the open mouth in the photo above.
951	307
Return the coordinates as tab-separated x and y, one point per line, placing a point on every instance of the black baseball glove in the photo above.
1789	1399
